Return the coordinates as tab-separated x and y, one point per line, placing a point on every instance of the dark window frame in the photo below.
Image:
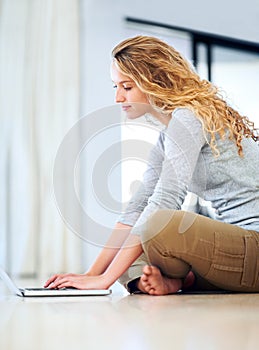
207	39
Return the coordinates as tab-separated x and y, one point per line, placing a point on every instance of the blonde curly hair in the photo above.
170	81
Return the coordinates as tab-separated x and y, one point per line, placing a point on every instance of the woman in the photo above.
207	148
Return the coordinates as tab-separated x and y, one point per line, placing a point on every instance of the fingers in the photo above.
50	280
56	280
66	284
63	281
78	281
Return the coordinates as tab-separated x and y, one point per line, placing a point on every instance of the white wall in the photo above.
102	27
226	17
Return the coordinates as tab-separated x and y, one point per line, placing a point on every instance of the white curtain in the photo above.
39	102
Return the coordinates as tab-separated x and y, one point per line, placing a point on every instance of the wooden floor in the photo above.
130	322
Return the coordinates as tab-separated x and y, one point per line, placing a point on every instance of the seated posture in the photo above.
206	147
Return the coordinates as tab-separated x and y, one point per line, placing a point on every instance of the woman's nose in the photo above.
119	97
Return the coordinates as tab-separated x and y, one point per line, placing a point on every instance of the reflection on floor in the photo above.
122	322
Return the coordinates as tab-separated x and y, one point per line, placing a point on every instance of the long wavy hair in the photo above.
169	81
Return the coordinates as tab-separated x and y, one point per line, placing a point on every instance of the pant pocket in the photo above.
249	277
234	261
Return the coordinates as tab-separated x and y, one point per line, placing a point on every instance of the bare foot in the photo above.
154	283
189	280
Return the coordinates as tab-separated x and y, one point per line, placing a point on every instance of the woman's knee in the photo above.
159	237
162	220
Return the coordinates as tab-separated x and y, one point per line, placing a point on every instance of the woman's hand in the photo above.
78	281
120	263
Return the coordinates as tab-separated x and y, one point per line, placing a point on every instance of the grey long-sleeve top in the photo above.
182	161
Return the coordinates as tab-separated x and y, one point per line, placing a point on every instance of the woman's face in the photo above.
134	101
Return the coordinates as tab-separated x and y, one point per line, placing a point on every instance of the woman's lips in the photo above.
125	108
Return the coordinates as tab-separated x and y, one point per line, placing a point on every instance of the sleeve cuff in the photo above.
132	286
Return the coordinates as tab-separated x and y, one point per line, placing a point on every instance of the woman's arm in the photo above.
120	251
112	246
129	252
139	200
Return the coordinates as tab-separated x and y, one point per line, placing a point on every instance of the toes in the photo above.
144	277
151	270
145	282
154	270
151	291
147	270
152	280
146	286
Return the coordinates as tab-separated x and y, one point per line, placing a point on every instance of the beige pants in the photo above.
224	255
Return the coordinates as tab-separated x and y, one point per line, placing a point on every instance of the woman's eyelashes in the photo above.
126	88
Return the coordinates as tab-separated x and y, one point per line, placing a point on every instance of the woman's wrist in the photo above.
99	281
90	273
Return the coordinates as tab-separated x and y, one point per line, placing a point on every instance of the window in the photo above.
231	64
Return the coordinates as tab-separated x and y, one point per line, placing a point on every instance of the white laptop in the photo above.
45	292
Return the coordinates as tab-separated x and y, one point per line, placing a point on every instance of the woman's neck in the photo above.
162	117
